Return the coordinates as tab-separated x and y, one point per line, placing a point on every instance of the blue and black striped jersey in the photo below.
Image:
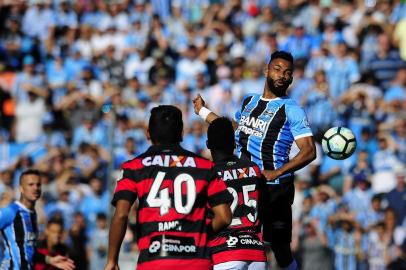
18	234
267	129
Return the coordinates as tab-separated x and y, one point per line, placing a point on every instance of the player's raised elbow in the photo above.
307	149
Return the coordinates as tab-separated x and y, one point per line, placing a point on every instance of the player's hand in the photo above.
110	265
271	175
61	262
198	103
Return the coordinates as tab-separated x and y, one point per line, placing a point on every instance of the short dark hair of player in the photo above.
220	135
29	172
165	125
55	220
282	54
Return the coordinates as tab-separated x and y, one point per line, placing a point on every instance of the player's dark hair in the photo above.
220	136
30	172
165	125
283	55
55	220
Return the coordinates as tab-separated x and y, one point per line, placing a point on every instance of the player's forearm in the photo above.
211	117
207	115
118	228
222	217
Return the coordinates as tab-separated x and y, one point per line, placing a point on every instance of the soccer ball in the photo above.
339	143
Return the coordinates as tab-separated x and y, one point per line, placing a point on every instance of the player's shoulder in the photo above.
289	102
12	208
133	164
291	106
250	96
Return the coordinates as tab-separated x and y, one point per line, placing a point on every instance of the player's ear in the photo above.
148	135
207	144
265	71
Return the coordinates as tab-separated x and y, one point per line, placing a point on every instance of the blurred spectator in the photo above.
78	242
342	72
361	170
98	243
196	140
314	248
384	161
373	215
52	244
367	143
125	153
29	116
396	197
386	62
358	199
189	66
318	104
38	21
63	207
89	132
345	239
300	44
97	201
399	38
378	248
27	80
301	84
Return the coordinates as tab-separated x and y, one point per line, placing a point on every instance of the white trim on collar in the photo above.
270	99
24	207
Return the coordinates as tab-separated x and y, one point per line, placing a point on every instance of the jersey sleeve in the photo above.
7	215
217	191
299	125
126	187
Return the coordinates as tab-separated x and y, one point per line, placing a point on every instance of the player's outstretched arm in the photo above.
307	153
60	262
222	217
117	231
202	111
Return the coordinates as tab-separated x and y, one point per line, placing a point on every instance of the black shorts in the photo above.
277	217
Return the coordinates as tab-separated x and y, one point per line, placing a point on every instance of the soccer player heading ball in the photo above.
174	188
266	126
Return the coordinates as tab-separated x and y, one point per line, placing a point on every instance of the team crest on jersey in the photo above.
268	113
306	122
247	110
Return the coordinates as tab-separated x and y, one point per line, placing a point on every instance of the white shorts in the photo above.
241	265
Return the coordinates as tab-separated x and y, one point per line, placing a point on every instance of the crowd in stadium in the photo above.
78	80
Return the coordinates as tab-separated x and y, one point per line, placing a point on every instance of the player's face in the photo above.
279	76
54	233
31	187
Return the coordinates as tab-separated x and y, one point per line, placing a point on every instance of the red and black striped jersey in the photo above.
242	239
174	188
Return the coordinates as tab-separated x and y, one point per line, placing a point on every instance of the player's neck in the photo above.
30	205
220	156
268	94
